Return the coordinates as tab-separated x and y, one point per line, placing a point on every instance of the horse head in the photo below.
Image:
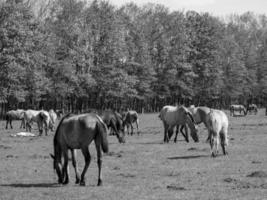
193	127
57	166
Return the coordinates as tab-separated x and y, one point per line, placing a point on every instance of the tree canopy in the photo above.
79	54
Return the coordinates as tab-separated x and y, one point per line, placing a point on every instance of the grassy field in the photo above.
143	167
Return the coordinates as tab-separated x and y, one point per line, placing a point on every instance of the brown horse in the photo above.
113	120
129	118
15	115
77	132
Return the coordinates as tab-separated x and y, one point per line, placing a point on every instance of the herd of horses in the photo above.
77	131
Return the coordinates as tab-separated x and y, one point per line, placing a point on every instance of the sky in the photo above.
215	7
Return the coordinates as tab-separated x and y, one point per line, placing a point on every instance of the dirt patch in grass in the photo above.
258	174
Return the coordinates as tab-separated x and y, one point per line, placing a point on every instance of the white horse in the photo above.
172	116
131	117
238	108
41	117
217	122
15	115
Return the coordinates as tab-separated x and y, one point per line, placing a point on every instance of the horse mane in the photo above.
190	116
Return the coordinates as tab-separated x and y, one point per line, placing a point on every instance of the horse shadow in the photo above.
33	185
188	157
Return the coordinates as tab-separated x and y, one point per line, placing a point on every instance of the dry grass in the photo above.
143	168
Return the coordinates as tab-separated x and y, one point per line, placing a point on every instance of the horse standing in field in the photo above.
238	108
131	117
218	130
41	117
15	115
77	132
172	116
113	120
252	108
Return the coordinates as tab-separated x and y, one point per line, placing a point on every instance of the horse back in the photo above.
77	131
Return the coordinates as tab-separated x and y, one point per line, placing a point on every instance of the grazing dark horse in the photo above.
238	108
113	120
172	116
131	117
77	132
15	115
252	108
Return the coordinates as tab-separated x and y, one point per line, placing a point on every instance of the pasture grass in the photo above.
143	167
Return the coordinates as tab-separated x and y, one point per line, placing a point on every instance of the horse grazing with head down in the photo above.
15	115
252	108
53	116
172	116
113	120
77	132
129	118
200	116
41	117
238	108
217	122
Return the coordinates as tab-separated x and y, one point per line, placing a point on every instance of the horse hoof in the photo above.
66	182
213	155
82	183
99	183
77	181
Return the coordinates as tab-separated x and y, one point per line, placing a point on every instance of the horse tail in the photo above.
102	133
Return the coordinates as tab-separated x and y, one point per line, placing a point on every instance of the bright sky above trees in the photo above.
216	7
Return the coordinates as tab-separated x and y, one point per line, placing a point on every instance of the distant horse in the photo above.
41	117
113	120
172	116
252	108
199	115
53	116
15	115
238	108
77	132
218	130
131	117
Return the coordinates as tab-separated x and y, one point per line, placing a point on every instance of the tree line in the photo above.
78	55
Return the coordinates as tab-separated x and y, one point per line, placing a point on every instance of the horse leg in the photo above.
128	127
99	160
87	159
131	128
137	126
165	132
212	144
10	121
7	124
66	167
223	142
73	156
40	128
176	133
170	133
186	132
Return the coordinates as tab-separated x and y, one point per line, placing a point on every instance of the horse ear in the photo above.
52	156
